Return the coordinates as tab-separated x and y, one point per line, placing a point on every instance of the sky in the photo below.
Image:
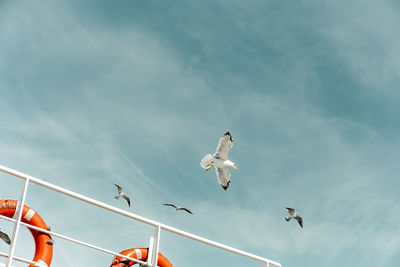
137	92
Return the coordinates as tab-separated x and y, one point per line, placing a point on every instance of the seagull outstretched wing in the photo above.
224	177
224	146
5	237
300	220
127	199
119	188
185	209
170	204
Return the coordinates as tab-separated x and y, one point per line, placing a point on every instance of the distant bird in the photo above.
122	194
220	161
295	215
177	208
5	237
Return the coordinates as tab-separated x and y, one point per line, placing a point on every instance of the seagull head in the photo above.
234	167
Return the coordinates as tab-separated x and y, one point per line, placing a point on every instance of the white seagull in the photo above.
5	237
220	160
122	194
177	207
295	215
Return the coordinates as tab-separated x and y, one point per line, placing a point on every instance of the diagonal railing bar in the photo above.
5	255
73	240
134	216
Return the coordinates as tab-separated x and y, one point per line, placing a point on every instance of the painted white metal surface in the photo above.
72	240
15	258
18	211
156	246
150	252
158	226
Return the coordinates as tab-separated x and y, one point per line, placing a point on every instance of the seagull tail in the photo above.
287	218
205	162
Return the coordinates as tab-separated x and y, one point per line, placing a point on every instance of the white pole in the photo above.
156	245
18	210
150	251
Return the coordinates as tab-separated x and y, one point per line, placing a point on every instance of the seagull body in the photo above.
220	160
5	237
122	194
294	215
177	207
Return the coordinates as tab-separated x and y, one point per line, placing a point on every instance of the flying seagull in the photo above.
177	208
295	215
122	194
5	237
220	160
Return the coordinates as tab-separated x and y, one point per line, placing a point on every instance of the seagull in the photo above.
5	237
295	215
177	208
122	194
220	161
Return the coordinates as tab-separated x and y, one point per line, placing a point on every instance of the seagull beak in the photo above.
236	169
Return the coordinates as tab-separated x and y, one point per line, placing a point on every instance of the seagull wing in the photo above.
170	204
185	209
291	211
5	237
224	146
119	188
300	220
224	177
127	199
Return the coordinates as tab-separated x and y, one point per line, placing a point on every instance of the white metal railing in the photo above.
154	241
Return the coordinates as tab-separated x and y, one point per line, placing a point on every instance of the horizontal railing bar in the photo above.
77	196
131	215
5	255
73	240
219	245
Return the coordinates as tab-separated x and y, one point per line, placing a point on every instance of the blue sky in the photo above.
137	92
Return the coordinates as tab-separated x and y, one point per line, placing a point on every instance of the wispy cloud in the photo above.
87	103
366	42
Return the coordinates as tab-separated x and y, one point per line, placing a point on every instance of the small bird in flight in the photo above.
177	208
5	237
122	194
295	215
220	160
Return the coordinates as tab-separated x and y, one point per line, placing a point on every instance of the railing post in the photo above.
150	252
155	246
18	211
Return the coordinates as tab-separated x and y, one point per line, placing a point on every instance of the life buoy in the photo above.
139	254
43	241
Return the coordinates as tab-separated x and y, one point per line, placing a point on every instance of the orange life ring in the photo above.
43	241
140	254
